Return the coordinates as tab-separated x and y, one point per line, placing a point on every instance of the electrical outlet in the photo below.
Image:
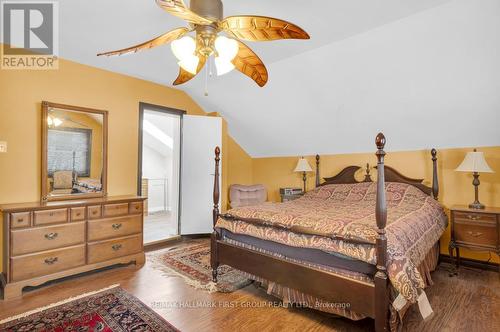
3	147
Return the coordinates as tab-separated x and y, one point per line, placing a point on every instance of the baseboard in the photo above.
469	262
162	243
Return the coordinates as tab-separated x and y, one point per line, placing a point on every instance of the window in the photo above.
69	149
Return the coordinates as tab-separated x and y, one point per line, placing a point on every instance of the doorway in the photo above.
159	170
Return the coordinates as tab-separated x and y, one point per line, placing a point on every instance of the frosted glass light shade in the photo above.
303	166
183	47
190	64
223	66
474	162
53	121
227	48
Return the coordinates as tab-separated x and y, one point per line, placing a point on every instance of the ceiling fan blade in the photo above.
249	63
163	39
261	28
178	8
185	76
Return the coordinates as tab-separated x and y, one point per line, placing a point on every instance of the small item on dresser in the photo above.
474	162
289	194
304	167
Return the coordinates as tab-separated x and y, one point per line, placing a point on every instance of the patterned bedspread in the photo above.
341	218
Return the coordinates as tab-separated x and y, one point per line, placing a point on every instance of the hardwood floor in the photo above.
159	226
469	302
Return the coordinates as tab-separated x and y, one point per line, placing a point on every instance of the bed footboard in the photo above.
369	299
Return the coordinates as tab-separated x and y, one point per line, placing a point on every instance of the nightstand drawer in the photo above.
471	216
479	234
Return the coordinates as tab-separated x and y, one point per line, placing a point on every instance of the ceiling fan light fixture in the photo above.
227	48
223	66
190	64
183	48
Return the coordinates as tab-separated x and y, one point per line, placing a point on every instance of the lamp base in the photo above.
476	205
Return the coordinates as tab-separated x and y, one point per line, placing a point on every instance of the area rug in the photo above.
191	261
108	310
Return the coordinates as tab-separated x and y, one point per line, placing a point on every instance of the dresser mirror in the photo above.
74	152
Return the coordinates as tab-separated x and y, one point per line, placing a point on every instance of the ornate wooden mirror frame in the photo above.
45	194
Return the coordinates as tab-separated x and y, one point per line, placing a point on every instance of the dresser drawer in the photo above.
45	263
112	210
109	249
94	212
135	207
78	213
20	219
50	216
476	233
30	240
114	227
471	216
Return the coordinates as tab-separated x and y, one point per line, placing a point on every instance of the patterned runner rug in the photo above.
107	310
191	261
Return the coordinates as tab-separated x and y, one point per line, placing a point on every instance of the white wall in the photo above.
429	80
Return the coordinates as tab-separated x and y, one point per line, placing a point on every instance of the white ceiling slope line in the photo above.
429	80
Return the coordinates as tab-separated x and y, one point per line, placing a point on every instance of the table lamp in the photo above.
474	162
304	167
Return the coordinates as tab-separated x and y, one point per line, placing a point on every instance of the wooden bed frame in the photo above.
370	299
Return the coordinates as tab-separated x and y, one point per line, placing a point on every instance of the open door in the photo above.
200	136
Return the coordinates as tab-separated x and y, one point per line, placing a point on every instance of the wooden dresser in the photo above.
47	241
474	229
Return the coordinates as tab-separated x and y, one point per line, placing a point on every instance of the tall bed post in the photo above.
317	171
214	259
381	280
435	183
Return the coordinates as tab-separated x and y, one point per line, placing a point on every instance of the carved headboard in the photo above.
347	175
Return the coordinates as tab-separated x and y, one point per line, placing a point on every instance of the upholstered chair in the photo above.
240	195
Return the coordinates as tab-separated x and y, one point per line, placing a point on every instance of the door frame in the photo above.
168	110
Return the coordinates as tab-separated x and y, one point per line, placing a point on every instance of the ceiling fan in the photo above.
205	18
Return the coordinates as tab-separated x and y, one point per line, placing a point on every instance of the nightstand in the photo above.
290	197
474	229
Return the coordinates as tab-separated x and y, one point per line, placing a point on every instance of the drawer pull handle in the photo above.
116	226
471	217
51	236
78	214
116	247
51	214
20	220
51	260
94	212
477	234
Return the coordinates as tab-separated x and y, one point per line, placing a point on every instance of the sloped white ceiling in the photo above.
424	72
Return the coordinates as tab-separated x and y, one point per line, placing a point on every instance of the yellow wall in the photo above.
455	187
21	93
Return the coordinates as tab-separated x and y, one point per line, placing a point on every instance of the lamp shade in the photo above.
303	166
474	162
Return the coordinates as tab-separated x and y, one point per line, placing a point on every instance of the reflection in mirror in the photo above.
74	152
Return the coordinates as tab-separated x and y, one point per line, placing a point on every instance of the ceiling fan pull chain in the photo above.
207	72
